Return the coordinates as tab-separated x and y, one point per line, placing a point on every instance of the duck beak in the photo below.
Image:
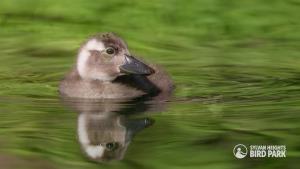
134	66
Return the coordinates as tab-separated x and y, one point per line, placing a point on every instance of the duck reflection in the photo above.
105	128
106	136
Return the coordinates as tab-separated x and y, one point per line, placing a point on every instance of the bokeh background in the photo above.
235	65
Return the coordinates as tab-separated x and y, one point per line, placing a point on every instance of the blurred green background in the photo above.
235	65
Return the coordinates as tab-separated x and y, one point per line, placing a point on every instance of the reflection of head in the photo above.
103	138
238	149
104	128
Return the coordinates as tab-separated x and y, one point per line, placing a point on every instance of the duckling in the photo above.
106	69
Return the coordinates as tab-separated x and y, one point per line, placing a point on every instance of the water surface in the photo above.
235	66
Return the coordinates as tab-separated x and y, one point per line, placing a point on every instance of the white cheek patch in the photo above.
92	151
84	54
82	131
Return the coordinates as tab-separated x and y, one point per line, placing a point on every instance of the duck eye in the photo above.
111	146
110	50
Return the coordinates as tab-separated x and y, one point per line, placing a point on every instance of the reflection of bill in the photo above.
238	152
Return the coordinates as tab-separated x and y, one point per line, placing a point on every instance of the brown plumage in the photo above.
105	69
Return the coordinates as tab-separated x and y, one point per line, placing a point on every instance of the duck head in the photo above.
106	56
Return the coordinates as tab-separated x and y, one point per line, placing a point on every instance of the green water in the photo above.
235	65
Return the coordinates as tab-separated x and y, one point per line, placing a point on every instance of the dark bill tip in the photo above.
134	66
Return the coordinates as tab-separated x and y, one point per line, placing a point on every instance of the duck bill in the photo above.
134	66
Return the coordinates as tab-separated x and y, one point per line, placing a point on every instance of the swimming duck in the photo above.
106	69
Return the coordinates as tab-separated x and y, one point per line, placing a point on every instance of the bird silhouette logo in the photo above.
240	151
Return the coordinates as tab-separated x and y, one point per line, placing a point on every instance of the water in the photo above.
235	66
